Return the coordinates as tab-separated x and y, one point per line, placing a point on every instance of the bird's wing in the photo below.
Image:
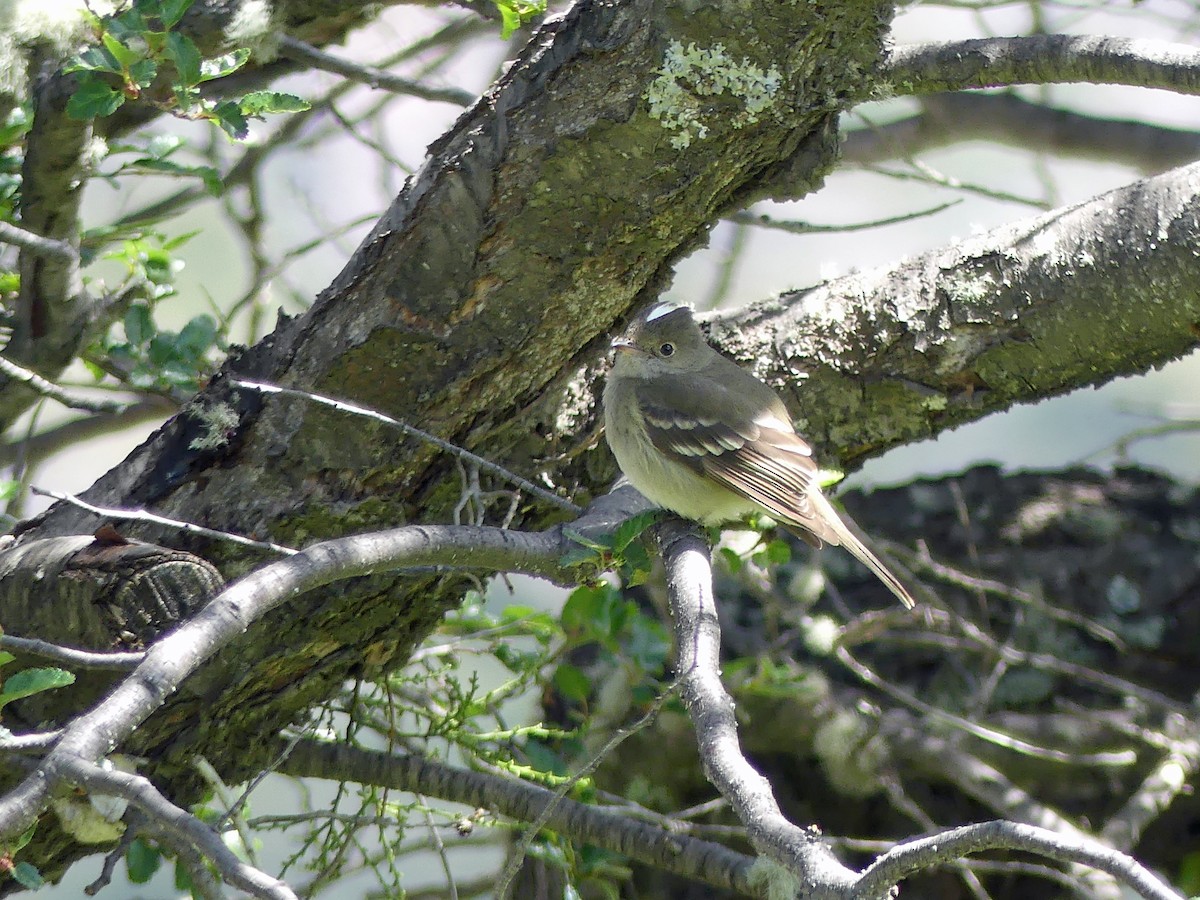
753	451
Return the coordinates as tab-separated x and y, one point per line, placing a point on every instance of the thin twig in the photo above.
796	227
485	464
49	389
517	856
69	656
298	50
138	515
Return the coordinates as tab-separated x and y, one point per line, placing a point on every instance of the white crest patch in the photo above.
662	309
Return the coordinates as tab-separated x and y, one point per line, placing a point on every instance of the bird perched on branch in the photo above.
702	437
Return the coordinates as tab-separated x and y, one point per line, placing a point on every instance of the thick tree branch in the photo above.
1071	298
1041	59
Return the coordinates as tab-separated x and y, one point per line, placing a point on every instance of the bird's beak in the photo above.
622	343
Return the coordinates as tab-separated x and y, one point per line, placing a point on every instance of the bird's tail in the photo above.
847	536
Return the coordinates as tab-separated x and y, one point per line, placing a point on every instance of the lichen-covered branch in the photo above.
1072	298
1040	59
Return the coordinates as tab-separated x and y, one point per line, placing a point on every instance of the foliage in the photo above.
138	55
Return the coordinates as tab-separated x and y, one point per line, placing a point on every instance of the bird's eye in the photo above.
666	349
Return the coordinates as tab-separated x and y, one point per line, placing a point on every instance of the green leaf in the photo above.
185	56
509	20
220	66
27	876
171	11
572	683
15	126
733	562
260	103
635	565
198	336
93	99
124	56
779	553
6	657
176	242
22	839
229	116
94	59
142	861
583	609
143	72
634	527
139	324
183	879
33	681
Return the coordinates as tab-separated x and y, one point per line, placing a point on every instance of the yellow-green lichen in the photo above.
219	421
691	73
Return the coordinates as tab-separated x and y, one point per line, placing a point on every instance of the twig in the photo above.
984	733
69	656
517	856
300	51
36	742
139	515
796	227
47	388
1158	790
485	464
180	827
36	243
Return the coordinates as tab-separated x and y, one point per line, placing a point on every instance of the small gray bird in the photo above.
702	437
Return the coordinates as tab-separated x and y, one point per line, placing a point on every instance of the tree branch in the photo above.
177	825
912	856
169	661
1014	121
1071	298
301	52
1041	59
698	661
61	251
710	863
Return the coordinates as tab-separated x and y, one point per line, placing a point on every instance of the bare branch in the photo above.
49	389
141	515
69	656
913	856
97	732
43	246
711	863
1041	59
698	661
484	464
1014	121
178	825
300	51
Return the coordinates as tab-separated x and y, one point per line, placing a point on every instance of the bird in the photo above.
700	436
